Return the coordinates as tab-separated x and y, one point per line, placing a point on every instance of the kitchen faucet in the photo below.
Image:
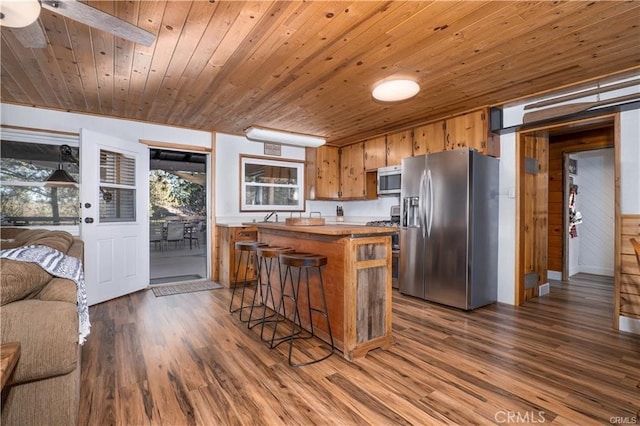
268	216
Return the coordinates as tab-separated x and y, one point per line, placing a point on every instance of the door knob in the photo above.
88	220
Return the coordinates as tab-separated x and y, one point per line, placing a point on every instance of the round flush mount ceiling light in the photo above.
395	90
18	14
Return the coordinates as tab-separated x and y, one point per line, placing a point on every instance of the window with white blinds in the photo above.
117	187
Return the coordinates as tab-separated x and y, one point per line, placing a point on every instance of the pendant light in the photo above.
61	177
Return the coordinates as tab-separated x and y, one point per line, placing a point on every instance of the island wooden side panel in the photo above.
368	296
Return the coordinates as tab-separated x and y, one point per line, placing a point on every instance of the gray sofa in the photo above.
40	311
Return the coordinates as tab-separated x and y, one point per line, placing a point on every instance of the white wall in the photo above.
596	202
228	150
45	119
357	211
507	220
630	162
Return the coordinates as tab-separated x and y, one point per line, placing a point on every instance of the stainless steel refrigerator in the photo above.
449	228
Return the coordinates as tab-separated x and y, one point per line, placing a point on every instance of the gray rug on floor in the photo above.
167	290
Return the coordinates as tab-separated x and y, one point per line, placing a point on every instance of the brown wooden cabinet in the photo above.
429	138
399	146
467	131
227	255
375	153
352	176
349	172
322	173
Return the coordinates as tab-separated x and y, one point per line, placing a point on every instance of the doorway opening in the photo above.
581	204
550	226
589	231
177	216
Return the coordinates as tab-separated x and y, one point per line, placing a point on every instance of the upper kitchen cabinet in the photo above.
471	130
352	175
322	173
375	153
399	146
429	138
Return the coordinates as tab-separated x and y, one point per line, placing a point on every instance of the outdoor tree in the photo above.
24	200
170	194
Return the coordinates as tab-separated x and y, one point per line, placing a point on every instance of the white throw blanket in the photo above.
59	265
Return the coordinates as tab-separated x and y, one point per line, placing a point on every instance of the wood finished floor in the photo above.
184	360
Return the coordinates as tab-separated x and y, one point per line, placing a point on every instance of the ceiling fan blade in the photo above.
103	21
31	36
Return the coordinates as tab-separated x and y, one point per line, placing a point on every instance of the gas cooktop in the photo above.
385	223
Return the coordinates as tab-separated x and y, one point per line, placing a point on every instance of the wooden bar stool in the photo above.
266	257
247	251
304	263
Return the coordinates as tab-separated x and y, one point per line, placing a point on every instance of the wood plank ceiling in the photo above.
310	66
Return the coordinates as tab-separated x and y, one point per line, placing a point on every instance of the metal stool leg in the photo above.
233	293
249	247
305	262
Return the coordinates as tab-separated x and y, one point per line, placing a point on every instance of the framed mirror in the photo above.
267	184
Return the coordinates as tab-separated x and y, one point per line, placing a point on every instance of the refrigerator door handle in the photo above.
430	192
421	209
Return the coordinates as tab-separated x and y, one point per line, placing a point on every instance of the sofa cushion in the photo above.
59	290
20	280
59	240
48	336
16	237
20	235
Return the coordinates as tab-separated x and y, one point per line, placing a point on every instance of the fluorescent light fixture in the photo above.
395	90
18	13
261	134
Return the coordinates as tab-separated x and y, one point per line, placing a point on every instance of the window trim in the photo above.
268	161
40	136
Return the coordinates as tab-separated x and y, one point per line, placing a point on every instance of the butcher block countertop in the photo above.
331	229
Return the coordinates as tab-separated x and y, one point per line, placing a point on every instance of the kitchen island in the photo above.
357	280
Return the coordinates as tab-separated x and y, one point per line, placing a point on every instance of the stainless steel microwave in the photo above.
389	180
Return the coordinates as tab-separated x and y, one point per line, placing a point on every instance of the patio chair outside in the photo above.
175	233
156	235
192	233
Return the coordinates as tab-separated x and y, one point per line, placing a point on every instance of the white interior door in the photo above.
114	194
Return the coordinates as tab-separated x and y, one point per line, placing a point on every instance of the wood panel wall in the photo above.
629	267
558	146
533	216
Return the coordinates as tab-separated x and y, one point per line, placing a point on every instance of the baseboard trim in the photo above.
554	275
543	289
630	325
